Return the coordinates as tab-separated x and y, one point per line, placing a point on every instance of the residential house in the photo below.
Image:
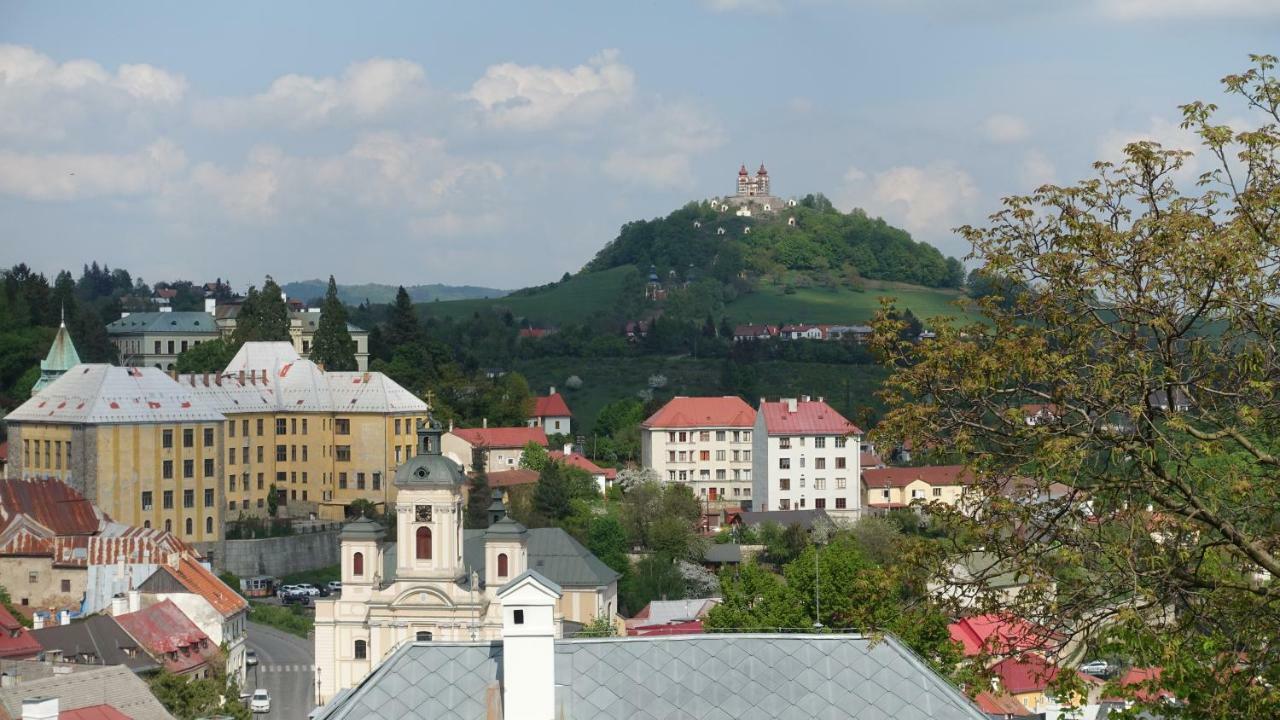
439	582
802	331
551	413
686	615
217	610
805	455
156	339
73	692
1001	706
171	638
139	446
603	477
859	333
303	323
94	640
1000	635
501	448
528	672
705	443
1028	677
754	331
978	576
899	487
806	519
16	641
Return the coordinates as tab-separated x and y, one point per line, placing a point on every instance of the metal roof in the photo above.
729	676
114	685
186	322
553	553
103	394
99	637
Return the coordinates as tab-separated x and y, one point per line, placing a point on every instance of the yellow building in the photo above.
135	443
890	488
322	439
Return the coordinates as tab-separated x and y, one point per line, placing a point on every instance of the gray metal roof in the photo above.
93	394
113	685
100	638
553	553
720	676
186	322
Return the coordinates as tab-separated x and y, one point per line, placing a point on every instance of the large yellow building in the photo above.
135	443
322	439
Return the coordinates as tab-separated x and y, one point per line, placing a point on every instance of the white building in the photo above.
704	442
807	456
551	413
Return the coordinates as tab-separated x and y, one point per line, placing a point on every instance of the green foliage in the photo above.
663	518
557	487
599	626
534	457
362	508
317	577
479	498
651	578
186	698
332	345
263	315
273	501
291	618
208	356
607	540
7	602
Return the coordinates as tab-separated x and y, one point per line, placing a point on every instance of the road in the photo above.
285	668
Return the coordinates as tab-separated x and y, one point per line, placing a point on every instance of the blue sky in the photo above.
502	143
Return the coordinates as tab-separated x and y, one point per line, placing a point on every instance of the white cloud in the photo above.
657	144
1186	9
1037	170
1004	128
367	90
41	98
927	200
74	176
531	97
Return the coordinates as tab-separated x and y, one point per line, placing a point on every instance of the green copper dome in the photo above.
429	466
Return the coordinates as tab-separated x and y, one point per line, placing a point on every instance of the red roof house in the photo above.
171	637
937	475
805	417
580	461
1001	635
552	405
702	412
501	437
1030	673
1005	707
15	640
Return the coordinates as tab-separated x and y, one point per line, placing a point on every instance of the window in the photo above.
423	543
840	463
784	484
684	437
261	426
244	455
840	503
397	426
231	429
802	503
423	636
820	503
784	463
705	436
819	483
397	453
304	453
360	645
146	499
841	483
183	346
342	481
282	453
244	427
502	565
841	442
166	439
357	564
705	455
231	505
281	477
746	492
208	525
746	456
168	526
342	453
359	481
260	453
208	467
784	504
802	482
66	586
157	349
166	469
293	453
188	437
57	454
231	454
304	477
784	443
746	436
293	426
819	442
190	526
720	475
188	468
188	498
168	499
884	494
208	497
517	617
33	577
282	426
377	481
170	346
746	475
259	483
704	475
720	455
819	463
208	437
937	492
342	426
720	435
304	426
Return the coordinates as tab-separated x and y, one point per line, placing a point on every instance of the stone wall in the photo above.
280	556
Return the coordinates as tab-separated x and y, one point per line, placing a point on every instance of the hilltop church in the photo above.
752	196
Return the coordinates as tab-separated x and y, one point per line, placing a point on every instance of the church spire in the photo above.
61	358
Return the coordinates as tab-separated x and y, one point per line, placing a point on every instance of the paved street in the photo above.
285	669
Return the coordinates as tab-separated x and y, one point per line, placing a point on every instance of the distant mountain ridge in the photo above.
376	293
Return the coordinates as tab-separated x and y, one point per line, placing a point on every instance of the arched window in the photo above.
424	636
424	543
189	526
361	649
208	525
357	564
502	564
168	526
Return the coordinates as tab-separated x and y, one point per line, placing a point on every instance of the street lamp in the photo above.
317	686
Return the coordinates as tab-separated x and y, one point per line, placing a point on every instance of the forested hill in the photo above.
823	245
307	290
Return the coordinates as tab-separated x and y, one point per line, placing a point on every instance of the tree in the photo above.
534	457
653	578
1144	509
551	496
332	345
273	501
402	324
187	698
263	316
208	356
608	541
479	496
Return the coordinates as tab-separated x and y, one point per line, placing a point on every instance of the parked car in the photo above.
335	586
296	598
307	589
286	590
1097	668
251	658
260	702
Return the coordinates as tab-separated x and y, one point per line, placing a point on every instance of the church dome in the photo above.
429	466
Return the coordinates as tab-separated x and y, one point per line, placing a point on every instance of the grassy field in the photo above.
822	305
849	388
570	302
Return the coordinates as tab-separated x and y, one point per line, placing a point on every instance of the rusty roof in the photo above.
195	578
52	503
170	635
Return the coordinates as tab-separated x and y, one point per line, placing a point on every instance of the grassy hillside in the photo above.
825	305
571	301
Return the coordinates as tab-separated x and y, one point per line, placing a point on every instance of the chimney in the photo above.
484	423
210	304
119	604
37	621
174	374
804	398
7	680
40	708
135	601
242	377
791	404
553	390
528	647
64	617
206	379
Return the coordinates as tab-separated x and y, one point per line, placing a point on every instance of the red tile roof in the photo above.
551	406
812	417
1001	705
93	712
693	412
502	437
1146	677
691	627
170	635
515	476
15	640
1000	635
1029	673
936	475
579	460
194	577
52	503
869	460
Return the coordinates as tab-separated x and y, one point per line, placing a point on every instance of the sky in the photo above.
503	143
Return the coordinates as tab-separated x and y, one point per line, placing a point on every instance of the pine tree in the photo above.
478	496
332	345
402	326
551	494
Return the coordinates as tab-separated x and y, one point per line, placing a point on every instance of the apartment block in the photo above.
704	442
807	456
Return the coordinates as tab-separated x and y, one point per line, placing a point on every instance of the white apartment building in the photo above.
704	442
806	457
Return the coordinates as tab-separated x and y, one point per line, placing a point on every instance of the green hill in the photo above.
378	293
568	301
772	304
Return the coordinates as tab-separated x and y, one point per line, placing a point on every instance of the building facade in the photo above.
705	443
551	413
501	448
898	487
806	456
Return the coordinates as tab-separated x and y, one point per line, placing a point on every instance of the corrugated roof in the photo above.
1029	673
170	636
501	437
552	405
693	412
104	394
811	417
186	322
93	712
50	502
999	635
114	685
194	577
15	640
690	676
936	475
95	640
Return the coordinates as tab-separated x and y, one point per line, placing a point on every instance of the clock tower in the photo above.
429	511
